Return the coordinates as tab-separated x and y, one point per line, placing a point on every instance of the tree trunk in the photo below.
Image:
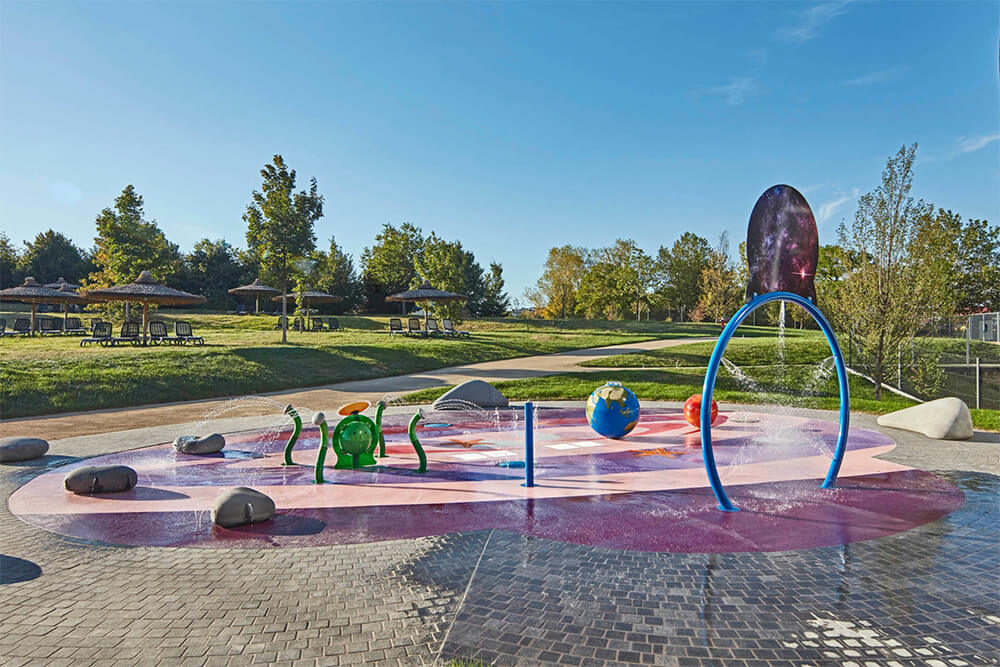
878	371
284	314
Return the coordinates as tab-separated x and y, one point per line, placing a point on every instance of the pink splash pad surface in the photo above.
646	492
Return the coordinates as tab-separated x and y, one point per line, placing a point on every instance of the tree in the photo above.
127	244
617	281
900	277
280	226
211	268
564	270
496	303
388	266
445	264
976	275
475	284
10	273
679	271
50	256
719	290
335	274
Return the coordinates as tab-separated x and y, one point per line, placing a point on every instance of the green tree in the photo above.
558	286
900	278
280	226
389	265
475	284
975	245
211	269
679	271
10	273
718	287
617	281
50	256
496	303
446	265
335	274
127	244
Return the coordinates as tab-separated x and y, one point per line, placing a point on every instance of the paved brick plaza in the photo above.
926	596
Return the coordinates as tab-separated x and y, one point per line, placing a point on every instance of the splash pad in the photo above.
647	492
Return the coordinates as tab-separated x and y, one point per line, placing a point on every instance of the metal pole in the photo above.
968	333
529	444
978	385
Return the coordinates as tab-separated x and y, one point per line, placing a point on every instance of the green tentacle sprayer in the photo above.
379	407
417	416
290	411
320	419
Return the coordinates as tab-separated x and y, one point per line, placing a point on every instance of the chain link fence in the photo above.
951	357
968	361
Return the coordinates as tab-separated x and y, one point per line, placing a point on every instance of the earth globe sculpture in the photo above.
612	410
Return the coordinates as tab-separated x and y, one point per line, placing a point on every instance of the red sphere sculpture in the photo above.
692	411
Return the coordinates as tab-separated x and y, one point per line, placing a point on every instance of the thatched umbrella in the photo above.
147	291
426	293
34	293
62	281
308	295
72	297
256	289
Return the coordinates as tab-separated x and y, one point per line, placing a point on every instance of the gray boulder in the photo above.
21	449
477	392
209	444
101	479
943	419
242	506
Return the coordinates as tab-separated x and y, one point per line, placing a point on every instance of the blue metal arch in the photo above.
713	370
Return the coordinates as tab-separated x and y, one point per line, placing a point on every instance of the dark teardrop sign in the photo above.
782	244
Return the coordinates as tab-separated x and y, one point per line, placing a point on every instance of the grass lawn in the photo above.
674	374
680	383
243	355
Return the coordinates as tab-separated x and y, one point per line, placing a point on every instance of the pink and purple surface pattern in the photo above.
646	492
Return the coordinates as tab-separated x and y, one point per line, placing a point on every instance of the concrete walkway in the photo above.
329	397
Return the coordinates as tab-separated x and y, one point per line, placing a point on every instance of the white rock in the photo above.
477	392
943	419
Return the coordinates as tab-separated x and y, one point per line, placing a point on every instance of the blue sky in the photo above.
510	126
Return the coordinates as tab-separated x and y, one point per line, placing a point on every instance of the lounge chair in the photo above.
432	327
297	325
241	310
22	327
129	334
158	333
280	320
101	334
413	327
185	334
450	329
316	324
3	327
48	326
94	322
74	327
332	324
396	326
